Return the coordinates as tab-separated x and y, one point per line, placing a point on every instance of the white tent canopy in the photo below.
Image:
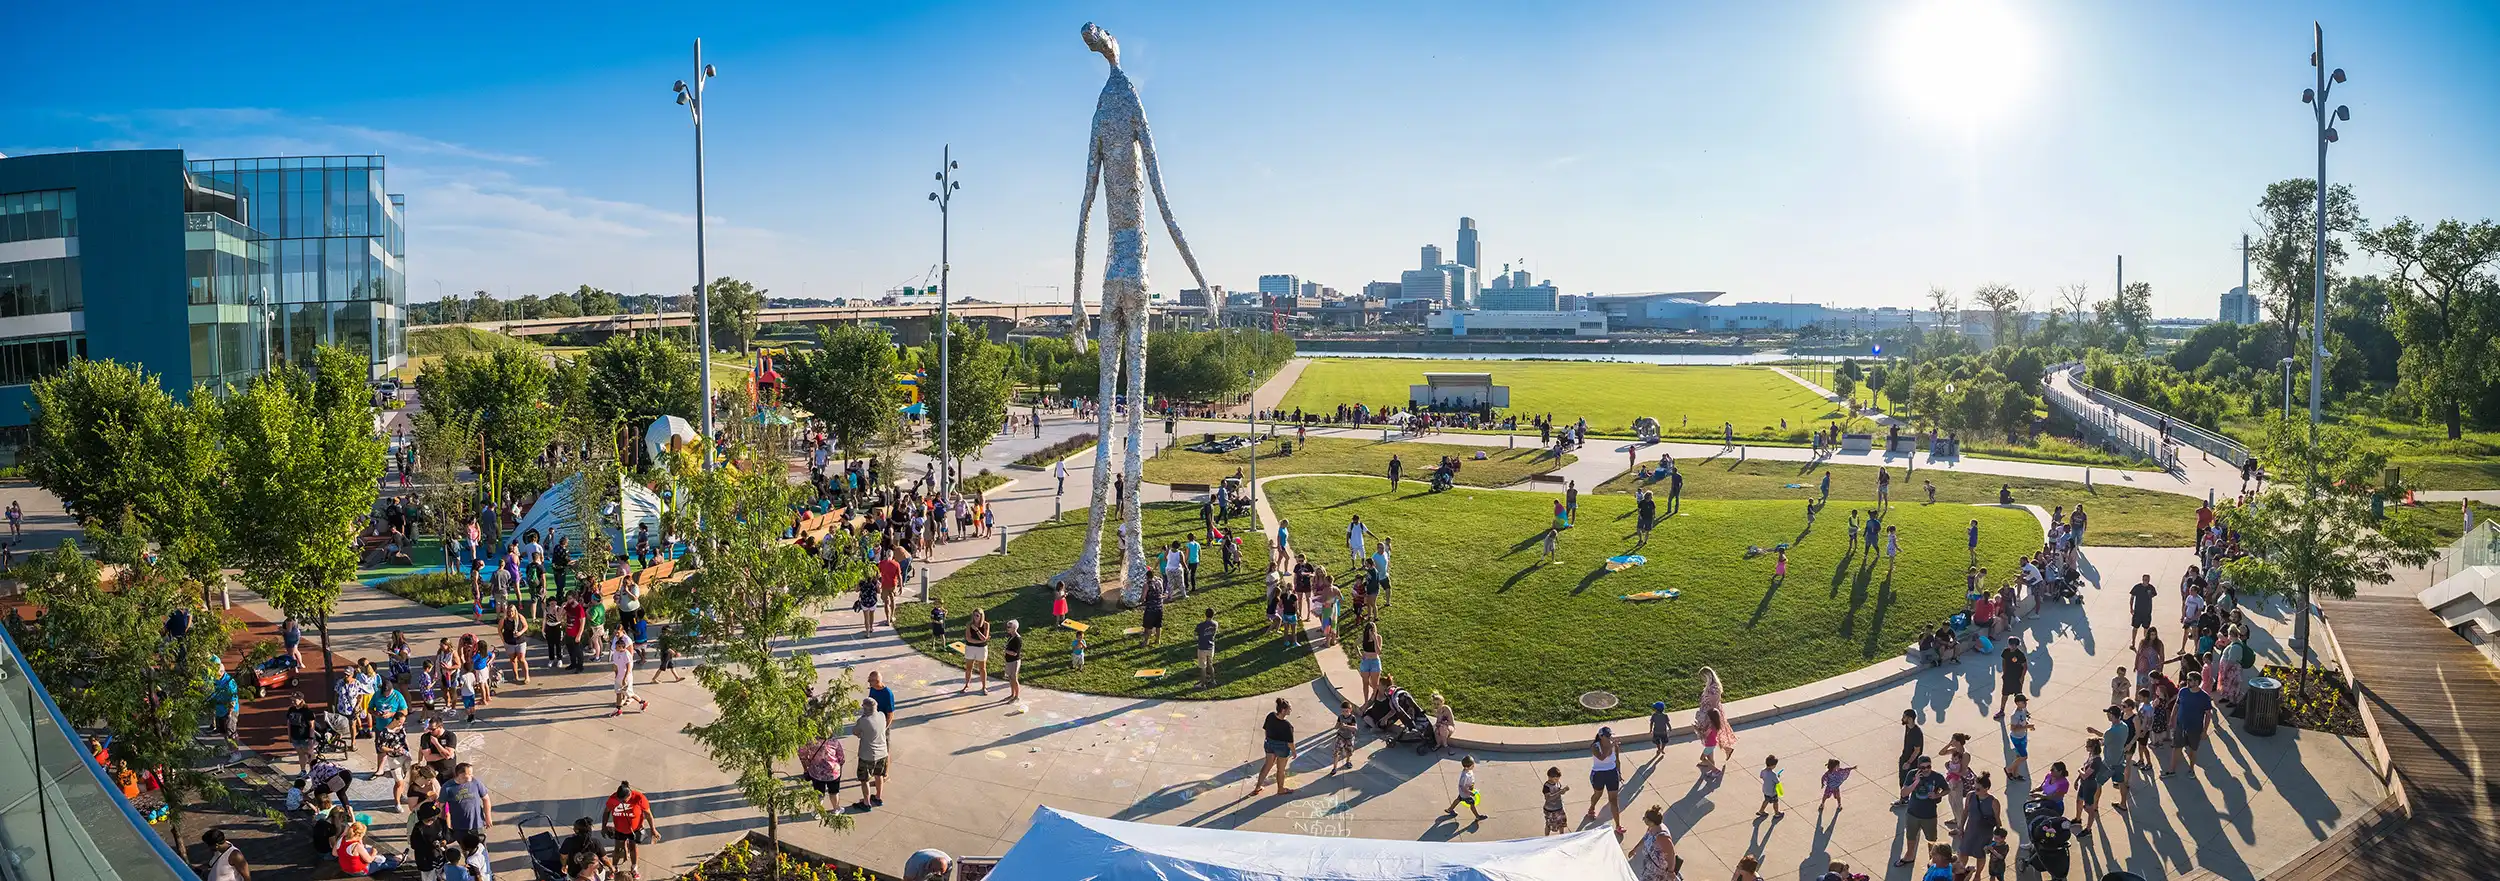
655	439
556	513
1073	847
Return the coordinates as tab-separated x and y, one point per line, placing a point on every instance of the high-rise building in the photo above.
1425	284
1311	288
1432	257
2240	307
1519	279
1384	291
1280	285
195	271
1467	247
1464	285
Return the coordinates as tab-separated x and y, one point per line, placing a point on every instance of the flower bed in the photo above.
1042	458
2325	703
746	860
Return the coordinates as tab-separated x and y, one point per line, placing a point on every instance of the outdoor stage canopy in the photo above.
1073	847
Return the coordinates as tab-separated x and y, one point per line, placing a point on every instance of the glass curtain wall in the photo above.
332	242
228	264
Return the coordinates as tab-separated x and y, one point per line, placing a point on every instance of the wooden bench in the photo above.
1547	477
1191	489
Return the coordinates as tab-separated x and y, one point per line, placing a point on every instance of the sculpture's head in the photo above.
1100	40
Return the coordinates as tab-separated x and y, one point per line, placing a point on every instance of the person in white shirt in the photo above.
623	657
1354	542
1059	470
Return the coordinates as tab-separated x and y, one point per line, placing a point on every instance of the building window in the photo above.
37	287
42	214
25	360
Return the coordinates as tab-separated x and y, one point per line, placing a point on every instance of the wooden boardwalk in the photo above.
2437	705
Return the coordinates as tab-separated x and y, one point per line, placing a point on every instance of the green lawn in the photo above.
2121	516
1512	642
1687	401
1013	586
1332	455
2445	520
2423	452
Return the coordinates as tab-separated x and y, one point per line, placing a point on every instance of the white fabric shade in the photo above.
664	429
1073	847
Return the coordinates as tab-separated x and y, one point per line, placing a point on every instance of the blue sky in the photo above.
1841	152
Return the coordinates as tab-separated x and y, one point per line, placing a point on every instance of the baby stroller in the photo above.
2052	841
546	859
333	733
1441	480
1399	718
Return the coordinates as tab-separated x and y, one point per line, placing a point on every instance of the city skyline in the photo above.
1829	153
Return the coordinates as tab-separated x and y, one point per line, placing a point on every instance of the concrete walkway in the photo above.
969	770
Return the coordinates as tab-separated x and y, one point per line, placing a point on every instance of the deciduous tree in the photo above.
847	381
2311	532
2446	305
2286	248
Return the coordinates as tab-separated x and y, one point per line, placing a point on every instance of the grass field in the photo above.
1511	642
1331	455
2428	459
2444	520
1687	401
2120	516
1012	586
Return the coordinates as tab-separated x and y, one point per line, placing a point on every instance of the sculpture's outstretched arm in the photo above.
1084	218
1154	177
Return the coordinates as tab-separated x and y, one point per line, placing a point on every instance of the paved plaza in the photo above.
969	770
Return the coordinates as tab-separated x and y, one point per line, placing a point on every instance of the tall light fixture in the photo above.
2316	99
945	198
692	98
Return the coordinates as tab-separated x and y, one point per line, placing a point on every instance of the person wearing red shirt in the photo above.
629	816
889	578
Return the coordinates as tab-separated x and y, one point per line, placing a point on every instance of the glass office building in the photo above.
198	271
331	234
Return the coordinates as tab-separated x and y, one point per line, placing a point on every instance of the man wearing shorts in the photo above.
2012	664
2114	744
2187	722
871	731
1206	650
2140	606
1927	789
628	814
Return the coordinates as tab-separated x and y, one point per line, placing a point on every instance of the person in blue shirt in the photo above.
1284	537
2187	722
1189	560
2115	740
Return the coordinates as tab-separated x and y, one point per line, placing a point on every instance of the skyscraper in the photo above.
1464	286
1467	250
1432	257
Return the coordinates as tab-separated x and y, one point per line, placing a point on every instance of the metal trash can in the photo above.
2265	705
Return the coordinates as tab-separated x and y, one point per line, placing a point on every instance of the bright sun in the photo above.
1962	60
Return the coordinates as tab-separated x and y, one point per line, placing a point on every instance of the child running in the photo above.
1467	794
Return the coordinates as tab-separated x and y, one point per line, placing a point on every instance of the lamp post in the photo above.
2287	386
945	198
2316	99
692	98
1254	436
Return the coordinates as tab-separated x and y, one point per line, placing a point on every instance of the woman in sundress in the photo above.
1710	721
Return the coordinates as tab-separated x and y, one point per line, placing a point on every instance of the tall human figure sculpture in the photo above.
1122	153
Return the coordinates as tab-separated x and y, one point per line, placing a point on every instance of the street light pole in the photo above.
945	198
692	98
2287	386
2316	99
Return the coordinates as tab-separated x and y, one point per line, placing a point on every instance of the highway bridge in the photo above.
910	320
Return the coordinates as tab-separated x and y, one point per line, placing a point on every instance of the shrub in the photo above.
1042	458
436	589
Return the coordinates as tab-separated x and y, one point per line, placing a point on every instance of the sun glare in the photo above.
1962	60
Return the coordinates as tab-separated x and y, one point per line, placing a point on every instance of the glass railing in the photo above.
60	818
2479	547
